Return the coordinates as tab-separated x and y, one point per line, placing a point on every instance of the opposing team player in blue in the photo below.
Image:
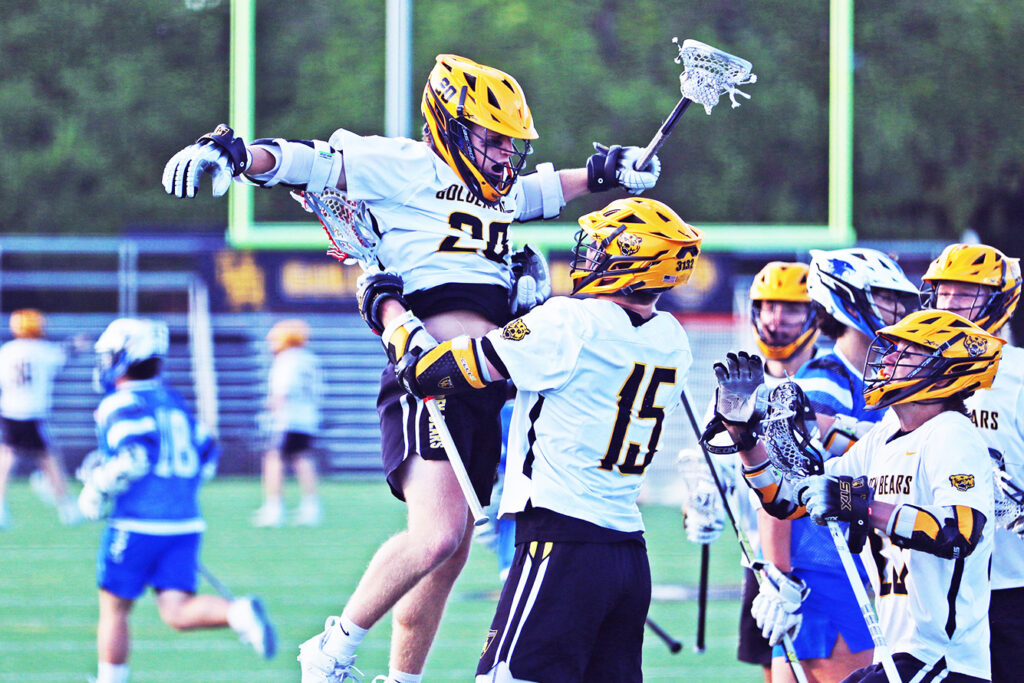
153	456
442	207
855	292
595	380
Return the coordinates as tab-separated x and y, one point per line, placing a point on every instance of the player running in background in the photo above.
855	292
595	379
442	208
293	400
153	456
983	285
28	365
921	479
785	328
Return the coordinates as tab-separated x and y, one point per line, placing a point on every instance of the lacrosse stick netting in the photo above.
790	436
709	72
346	223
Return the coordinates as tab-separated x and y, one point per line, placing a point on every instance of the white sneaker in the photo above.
68	513
308	514
257	630
5	517
269	516
319	667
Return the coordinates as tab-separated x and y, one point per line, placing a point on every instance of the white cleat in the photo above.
269	516
308	514
5	517
257	630
319	667
68	513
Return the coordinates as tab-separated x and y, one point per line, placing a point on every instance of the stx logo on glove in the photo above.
845	497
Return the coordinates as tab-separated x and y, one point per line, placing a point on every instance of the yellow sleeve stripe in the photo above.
964	520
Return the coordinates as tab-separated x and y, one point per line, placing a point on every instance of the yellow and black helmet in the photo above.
287	333
27	323
787	282
982	265
460	91
633	244
929	356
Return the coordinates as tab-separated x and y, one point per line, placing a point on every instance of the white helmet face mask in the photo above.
125	342
861	288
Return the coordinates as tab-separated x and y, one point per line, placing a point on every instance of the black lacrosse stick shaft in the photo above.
674	645
702	598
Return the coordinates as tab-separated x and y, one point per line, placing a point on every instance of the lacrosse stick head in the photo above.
346	223
790	433
709	72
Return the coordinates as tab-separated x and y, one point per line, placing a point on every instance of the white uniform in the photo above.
432	230
295	381
928	606
27	370
998	413
572	440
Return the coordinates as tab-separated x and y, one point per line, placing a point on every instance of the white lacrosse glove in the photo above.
703	511
219	153
844	432
531	280
92	503
741	396
634	180
776	607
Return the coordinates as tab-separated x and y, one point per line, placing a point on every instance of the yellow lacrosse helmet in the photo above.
786	282
460	91
633	244
929	356
982	265
27	323
287	333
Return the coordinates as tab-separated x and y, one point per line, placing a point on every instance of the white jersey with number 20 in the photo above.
593	393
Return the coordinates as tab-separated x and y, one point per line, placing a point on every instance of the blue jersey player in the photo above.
152	458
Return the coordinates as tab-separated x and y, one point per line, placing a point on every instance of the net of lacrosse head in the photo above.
708	73
790	433
1009	496
345	222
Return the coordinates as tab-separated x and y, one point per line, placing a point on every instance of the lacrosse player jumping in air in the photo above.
983	285
920	481
595	380
442	209
153	457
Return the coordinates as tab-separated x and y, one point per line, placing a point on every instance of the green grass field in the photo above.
48	595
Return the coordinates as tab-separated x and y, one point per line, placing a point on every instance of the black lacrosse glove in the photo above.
224	139
372	289
842	499
602	168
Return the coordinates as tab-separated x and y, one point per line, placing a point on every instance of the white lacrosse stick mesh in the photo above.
1009	499
345	222
788	437
708	72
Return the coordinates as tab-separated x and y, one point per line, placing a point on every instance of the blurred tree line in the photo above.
91	108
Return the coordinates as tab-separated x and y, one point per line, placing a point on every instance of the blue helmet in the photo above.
126	342
861	288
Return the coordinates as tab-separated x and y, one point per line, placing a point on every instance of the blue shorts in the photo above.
127	562
830	609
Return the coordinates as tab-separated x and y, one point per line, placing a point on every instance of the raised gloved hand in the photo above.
741	397
372	288
776	607
613	167
531	280
843	499
218	153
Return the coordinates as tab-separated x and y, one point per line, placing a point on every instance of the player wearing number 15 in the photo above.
595	380
152	458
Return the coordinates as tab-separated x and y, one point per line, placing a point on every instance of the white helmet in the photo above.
125	342
847	284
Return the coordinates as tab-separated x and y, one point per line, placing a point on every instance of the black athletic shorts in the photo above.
291	444
473	418
25	437
1006	619
572	611
911	668
753	647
